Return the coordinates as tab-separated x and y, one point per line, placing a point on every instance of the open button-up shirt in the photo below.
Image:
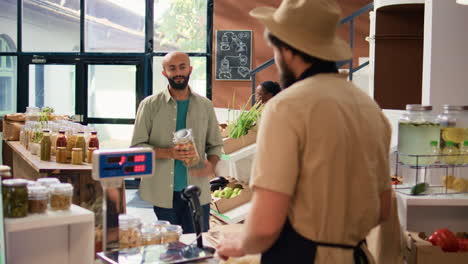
155	124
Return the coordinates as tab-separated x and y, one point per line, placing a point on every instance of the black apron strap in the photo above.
291	247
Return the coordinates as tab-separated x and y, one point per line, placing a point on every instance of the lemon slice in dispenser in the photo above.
454	134
448	181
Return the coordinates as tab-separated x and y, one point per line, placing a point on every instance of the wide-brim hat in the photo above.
307	25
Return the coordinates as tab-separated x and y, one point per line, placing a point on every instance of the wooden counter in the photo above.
87	192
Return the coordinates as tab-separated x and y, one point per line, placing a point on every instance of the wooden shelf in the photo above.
45	166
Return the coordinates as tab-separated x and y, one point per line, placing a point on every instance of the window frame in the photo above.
143	61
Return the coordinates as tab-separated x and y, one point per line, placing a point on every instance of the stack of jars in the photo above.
22	197
70	142
442	138
132	233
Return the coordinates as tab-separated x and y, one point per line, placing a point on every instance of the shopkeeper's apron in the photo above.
291	247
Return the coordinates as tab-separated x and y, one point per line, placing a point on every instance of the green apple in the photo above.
222	194
228	192
216	193
236	190
233	195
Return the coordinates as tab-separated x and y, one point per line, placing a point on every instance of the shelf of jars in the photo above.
440	174
432	154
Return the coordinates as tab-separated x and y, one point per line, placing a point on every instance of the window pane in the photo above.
115	26
197	78
114	136
8	20
53	86
7	85
180	25
51	26
111	91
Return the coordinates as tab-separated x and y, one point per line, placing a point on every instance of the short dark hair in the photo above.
271	87
281	44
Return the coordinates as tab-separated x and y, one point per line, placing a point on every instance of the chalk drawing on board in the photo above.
233	55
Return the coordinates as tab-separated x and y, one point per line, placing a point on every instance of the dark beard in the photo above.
287	77
179	86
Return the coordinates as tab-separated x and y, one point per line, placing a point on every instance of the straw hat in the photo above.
307	25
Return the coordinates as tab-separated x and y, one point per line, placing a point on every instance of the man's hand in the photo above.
207	170
178	153
229	247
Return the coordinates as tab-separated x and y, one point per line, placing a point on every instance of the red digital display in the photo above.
140	158
139	168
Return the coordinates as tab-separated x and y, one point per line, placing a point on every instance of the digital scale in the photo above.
111	167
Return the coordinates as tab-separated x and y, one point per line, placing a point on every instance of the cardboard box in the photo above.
233	144
420	251
222	205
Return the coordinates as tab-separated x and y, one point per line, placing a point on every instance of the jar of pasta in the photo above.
61	195
185	141
171	233
150	235
129	231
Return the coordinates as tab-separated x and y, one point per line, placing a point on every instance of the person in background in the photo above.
158	117
320	178
266	90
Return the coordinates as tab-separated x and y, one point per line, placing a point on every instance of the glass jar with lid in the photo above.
61	195
38	199
417	127
184	140
46	146
171	233
48	181
150	235
129	231
77	156
454	125
15	198
32	113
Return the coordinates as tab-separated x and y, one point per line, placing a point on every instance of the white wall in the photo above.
445	66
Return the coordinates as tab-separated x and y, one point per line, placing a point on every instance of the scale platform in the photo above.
175	252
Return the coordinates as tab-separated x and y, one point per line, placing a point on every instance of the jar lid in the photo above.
61	148
173	228
62	131
48	181
93	132
61	188
4	168
46	130
36	191
161	223
149	230
448	107
15	182
183	134
418	107
33	183
77	149
128	220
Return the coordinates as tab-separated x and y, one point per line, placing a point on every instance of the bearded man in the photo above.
158	117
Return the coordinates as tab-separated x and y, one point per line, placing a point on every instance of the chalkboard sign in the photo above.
233	55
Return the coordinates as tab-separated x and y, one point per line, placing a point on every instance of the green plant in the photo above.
245	121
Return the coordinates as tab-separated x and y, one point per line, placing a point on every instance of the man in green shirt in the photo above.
158	117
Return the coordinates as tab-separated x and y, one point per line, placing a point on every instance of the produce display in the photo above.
220	188
455	183
448	241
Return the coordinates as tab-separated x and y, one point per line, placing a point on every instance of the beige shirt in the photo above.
155	124
326	144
